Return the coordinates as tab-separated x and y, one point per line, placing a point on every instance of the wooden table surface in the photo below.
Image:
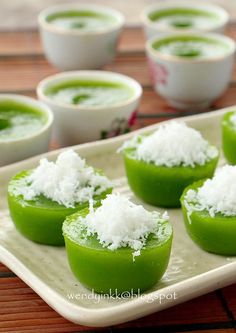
22	66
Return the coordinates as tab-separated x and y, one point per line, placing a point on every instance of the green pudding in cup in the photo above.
92	93
160	165
174	16
183	18
228	129
90	105
18	120
25	128
80	35
191	47
191	69
118	247
81	20
39	200
209	210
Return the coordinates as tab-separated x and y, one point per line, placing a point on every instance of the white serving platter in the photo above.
191	272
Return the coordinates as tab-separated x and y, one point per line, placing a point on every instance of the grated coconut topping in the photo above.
119	223
216	195
233	118
67	181
173	144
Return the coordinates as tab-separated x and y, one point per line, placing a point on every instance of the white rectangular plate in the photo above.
191	272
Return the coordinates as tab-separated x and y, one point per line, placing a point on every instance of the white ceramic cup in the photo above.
79	123
73	49
191	84
152	29
33	144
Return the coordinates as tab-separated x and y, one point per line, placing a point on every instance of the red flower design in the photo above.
132	118
119	126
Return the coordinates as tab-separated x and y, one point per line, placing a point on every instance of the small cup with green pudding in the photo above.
209	210
39	200
160	165
228	129
80	36
118	247
90	105
174	16
25	128
190	70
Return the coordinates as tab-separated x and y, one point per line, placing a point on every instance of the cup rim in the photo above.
29	101
172	58
223	19
76	32
89	74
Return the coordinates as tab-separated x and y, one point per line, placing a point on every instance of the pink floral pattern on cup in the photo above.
159	72
119	126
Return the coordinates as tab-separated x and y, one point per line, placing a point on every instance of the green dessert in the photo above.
183	18
19	120
39	200
191	46
228	128
160	165
89	93
209	210
118	247
81	20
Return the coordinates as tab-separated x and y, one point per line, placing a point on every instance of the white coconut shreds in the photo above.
119	223
67	181
173	144
233	118
216	195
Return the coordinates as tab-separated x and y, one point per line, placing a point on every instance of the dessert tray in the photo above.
191	272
